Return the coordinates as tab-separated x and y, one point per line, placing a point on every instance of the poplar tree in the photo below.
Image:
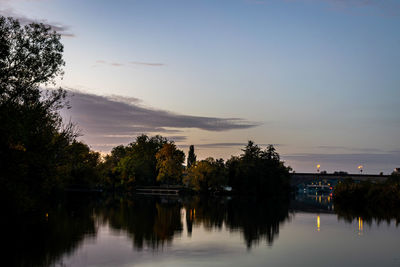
191	157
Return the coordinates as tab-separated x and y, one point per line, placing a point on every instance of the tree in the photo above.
207	175
81	168
191	157
29	56
251	151
139	165
169	164
33	138
272	154
258	172
109	170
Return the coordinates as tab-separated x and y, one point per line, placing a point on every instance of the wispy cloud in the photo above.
351	149
147	63
118	119
119	64
60	28
113	64
225	145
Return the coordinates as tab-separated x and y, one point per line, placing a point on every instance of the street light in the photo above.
360	167
318	167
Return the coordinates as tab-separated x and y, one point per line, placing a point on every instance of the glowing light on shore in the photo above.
318	223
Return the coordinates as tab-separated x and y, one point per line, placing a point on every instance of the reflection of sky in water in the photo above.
306	239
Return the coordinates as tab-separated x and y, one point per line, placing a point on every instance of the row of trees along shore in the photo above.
156	161
368	198
40	155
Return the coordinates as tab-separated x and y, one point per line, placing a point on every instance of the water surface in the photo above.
147	231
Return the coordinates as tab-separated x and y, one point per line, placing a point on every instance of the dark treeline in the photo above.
157	161
379	201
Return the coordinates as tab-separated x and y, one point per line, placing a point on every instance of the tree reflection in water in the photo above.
153	221
257	219
43	238
349	213
149	222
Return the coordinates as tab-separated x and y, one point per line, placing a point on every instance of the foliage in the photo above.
254	172
258	172
394	178
140	163
81	166
33	140
108	169
191	157
146	161
29	56
134	164
169	164
375	196
207	175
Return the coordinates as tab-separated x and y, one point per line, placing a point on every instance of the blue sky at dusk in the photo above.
318	78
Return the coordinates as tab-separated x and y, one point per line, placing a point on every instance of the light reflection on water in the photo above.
210	232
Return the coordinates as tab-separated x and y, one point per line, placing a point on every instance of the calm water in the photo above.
146	231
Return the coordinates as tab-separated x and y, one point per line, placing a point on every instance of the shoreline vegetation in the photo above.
369	200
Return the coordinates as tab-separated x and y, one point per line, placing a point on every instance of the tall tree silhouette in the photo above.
191	156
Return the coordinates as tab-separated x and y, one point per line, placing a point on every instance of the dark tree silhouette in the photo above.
258	172
32	137
191	157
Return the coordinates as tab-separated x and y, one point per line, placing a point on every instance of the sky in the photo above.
319	79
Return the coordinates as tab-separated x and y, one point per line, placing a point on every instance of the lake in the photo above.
194	231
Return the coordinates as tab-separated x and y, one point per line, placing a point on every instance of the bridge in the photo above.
300	178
